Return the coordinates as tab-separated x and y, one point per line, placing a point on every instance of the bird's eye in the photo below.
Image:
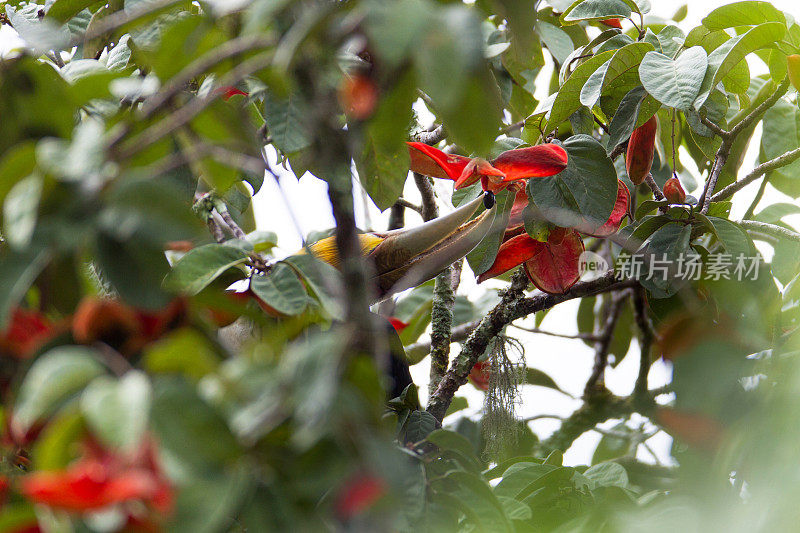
488	199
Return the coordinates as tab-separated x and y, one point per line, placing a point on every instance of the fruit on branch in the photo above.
673	191
407	257
512	165
793	67
641	148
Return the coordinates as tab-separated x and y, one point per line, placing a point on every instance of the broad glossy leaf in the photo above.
724	58
118	410
781	133
54	378
748	13
674	83
200	266
583	195
281	289
596	10
20	211
567	100
608	475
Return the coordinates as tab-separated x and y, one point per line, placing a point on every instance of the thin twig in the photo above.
645	341
651	182
756	173
201	65
194	107
405	203
714	127
770	229
727	143
581	336
512	306
595	383
429	208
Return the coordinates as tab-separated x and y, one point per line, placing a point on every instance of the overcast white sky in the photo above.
569	362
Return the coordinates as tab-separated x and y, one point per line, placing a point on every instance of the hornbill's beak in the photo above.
405	258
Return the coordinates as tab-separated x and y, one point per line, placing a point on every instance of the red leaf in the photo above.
26	332
695	429
611	225
433	162
614	23
100	479
359	494
512	252
398	324
520	203
229	91
358	95
554	268
479	375
532	162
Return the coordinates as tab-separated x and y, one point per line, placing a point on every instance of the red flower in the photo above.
480	375
511	165
27	331
398	324
229	91
100	479
358	495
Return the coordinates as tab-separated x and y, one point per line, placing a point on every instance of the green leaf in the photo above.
624	121
483	255
774	213
668	243
459	403
450	440
55	377
581	196
596	10
118	410
674	83
189	428
780	134
608	475
18	270
556	40
281	289
208	504
286	120
202	265
567	100
515	510
324	281
383	166
474	496
185	352
20	210
742	14
724	58
611	447
534	376
418	426
732	237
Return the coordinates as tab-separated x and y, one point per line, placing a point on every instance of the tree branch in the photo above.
770	229
441	324
595	383
511	307
645	341
727	143
756	173
651	182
